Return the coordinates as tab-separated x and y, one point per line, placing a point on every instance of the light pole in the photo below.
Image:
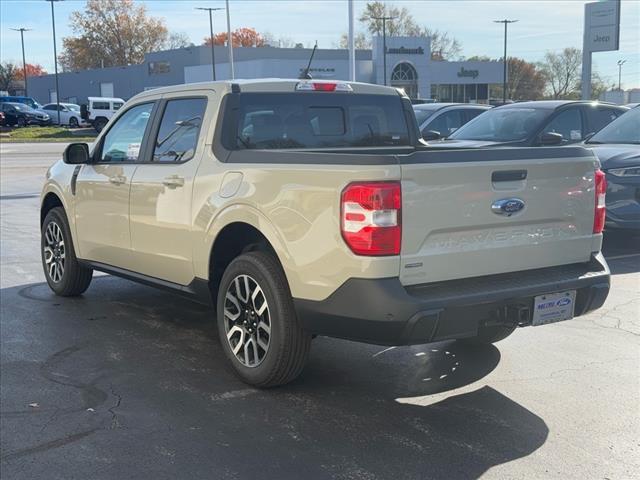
24	63
504	59
213	55
620	63
384	43
230	42
55	57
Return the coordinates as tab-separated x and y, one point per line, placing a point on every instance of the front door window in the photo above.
123	141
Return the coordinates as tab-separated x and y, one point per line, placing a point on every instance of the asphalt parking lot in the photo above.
130	382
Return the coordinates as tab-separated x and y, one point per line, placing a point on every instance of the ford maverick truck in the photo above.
303	208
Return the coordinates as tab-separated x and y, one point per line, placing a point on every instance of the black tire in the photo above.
21	122
99	124
288	344
491	334
73	122
75	277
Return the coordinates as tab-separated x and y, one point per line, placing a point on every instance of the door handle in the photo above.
118	179
173	181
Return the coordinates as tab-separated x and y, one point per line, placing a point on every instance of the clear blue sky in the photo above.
542	26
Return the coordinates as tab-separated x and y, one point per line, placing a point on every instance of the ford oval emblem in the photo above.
507	206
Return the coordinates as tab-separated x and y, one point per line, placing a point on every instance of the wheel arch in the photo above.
50	201
235	238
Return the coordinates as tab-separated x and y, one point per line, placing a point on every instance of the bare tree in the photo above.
361	41
177	40
443	46
8	74
562	71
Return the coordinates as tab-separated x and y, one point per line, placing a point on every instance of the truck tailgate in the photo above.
469	213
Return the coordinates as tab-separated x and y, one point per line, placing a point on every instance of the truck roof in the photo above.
267	85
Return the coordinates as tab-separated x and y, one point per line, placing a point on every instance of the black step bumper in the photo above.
384	312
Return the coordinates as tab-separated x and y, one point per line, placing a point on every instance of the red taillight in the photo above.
306	85
370	218
324	87
600	210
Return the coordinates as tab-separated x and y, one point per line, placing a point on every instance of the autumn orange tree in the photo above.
242	37
111	33
33	70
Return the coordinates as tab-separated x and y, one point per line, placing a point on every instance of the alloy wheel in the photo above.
54	252
247	321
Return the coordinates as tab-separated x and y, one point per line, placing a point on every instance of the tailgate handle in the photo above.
508	175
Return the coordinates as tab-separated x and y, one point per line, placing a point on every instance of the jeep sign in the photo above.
602	26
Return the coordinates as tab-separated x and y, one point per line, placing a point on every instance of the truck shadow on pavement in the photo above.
127	381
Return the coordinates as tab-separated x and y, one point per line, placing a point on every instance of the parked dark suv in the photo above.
21	115
439	120
531	124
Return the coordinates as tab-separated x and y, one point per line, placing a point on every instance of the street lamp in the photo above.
24	63
55	57
620	63
384	43
213	55
504	59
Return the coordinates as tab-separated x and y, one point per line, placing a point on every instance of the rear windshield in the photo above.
313	120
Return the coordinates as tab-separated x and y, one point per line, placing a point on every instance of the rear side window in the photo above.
446	123
568	124
600	117
101	106
117	105
313	120
179	130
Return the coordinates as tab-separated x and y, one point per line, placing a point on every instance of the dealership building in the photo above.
408	65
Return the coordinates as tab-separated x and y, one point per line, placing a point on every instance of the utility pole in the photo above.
384	43
230	43
504	59
351	45
24	63
55	57
620	63
213	55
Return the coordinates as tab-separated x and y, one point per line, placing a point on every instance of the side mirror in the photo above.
431	135
76	154
588	137
551	138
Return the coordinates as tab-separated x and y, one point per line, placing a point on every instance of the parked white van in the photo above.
100	110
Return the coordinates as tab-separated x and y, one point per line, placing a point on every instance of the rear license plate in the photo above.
553	307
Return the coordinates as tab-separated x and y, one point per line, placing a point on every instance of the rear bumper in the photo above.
383	312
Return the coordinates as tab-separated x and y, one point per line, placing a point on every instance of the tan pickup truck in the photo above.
302	208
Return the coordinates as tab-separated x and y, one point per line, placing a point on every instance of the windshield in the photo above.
315	120
502	125
422	114
624	129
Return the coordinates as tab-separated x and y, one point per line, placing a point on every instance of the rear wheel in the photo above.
73	122
490	334
65	275
258	326
99	124
21	122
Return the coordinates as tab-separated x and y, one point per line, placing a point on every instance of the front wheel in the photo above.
258	327
65	275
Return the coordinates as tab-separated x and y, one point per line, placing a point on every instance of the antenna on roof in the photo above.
305	75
